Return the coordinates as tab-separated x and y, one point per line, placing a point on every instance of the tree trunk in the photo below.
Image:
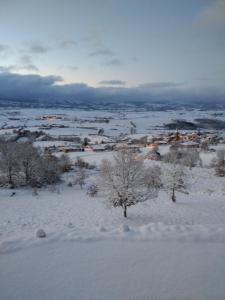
10	180
27	176
173	195
125	211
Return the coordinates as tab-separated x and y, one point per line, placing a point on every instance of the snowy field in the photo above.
80	122
162	251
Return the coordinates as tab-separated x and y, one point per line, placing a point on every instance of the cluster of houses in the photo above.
134	141
194	140
98	142
187	140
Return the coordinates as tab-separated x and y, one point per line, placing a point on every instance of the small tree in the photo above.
205	145
50	173
173	156
80	177
220	163
174	179
92	190
65	163
127	181
191	158
81	163
86	142
28	158
9	163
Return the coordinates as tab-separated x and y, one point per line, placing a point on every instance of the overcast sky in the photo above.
117	43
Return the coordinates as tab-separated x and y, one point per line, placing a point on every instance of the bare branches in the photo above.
127	181
220	163
22	164
174	177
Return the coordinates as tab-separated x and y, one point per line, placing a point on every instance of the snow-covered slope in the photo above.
163	250
68	212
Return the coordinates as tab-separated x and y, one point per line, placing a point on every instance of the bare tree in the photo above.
127	181
21	163
92	190
152	177
220	163
65	163
81	173
29	159
172	156
80	176
174	179
38	169
50	169
190	158
205	145
9	164
81	163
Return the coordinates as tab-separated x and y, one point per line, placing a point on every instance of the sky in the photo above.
122	46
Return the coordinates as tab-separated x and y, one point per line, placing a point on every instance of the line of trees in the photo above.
21	164
127	180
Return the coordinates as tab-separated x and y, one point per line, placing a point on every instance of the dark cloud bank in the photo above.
50	91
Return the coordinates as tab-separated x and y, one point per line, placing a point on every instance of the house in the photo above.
189	144
98	148
124	146
72	148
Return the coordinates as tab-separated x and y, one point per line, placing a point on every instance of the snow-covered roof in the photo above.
189	143
98	147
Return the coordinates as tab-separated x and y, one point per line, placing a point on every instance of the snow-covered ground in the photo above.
115	270
162	251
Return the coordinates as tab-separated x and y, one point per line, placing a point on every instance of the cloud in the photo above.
109	55
39	47
112	82
102	52
67	43
74	68
7	69
28	67
27	87
160	85
71	68
214	14
36	47
4	50
25	64
113	62
16	68
46	89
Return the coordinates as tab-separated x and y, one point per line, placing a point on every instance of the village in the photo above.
152	145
